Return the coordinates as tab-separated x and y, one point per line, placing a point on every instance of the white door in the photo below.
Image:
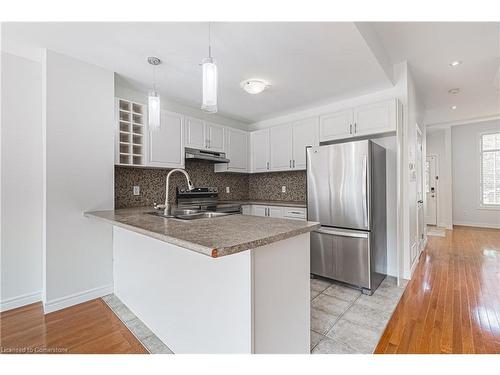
375	118
420	194
337	125
281	147
259	210
195	133
260	151
166	144
237	149
275	211
215	137
431	191
304	133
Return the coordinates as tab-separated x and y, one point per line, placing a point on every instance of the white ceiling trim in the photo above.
474	120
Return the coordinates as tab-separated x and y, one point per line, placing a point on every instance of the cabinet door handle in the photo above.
294	163
355	128
267	165
290	163
350	128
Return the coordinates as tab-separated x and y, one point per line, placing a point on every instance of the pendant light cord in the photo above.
209	40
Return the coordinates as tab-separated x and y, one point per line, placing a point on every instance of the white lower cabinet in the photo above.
166	145
295	213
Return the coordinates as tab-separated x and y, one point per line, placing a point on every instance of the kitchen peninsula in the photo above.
232	284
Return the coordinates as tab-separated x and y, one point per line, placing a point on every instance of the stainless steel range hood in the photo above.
207	156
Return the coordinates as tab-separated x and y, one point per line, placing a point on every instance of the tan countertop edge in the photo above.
208	251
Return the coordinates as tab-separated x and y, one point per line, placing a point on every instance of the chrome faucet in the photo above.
167	205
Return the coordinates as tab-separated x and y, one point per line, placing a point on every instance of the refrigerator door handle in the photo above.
339	232
365	190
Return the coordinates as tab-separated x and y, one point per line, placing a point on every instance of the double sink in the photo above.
191	214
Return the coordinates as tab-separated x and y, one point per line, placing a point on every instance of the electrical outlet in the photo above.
136	190
283	189
228	190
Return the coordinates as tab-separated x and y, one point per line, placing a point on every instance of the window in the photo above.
490	169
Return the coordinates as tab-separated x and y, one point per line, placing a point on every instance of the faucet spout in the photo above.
167	185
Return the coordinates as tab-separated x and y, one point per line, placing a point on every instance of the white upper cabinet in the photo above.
304	133
203	135
166	145
215	137
281	147
337	125
236	146
375	118
260	150
195	133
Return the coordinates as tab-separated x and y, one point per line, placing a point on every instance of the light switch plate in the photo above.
283	189
136	190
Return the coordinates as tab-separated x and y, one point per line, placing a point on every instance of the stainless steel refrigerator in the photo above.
346	193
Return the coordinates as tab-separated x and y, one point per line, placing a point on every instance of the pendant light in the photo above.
154	98
209	97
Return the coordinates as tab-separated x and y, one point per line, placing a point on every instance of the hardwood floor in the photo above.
90	327
452	304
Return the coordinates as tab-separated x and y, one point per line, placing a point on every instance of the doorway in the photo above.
420	193
431	189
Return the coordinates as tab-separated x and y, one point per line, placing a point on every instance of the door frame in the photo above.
436	169
421	240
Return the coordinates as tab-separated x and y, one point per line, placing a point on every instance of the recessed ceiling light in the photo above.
453	107
254	86
455	63
454	91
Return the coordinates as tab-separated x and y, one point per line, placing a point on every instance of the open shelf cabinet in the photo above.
130	137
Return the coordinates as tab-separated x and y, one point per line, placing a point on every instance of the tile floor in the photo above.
148	339
345	321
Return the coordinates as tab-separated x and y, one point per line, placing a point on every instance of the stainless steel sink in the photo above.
190	214
204	215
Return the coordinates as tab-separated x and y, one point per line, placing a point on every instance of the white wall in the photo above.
125	92
439	144
21	169
79	158
466	168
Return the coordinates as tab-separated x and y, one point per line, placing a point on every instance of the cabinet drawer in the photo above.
295	213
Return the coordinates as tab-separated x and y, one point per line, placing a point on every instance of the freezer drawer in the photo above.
323	255
342	255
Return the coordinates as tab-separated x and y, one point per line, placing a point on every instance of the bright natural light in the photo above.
490	169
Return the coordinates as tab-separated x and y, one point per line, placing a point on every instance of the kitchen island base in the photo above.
255	301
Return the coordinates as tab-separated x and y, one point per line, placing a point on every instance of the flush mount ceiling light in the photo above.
209	95
454	91
453	107
254	86
154	98
455	63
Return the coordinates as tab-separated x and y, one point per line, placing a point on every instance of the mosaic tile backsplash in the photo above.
262	186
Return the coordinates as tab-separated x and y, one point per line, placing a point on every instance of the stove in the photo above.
205	199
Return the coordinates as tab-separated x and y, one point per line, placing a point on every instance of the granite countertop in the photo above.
268	203
215	237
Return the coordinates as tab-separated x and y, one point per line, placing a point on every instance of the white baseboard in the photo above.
19	301
75	299
480	225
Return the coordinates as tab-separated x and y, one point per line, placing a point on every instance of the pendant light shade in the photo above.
154	99
209	101
154	110
209	71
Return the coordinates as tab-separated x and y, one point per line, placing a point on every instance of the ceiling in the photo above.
307	64
429	47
